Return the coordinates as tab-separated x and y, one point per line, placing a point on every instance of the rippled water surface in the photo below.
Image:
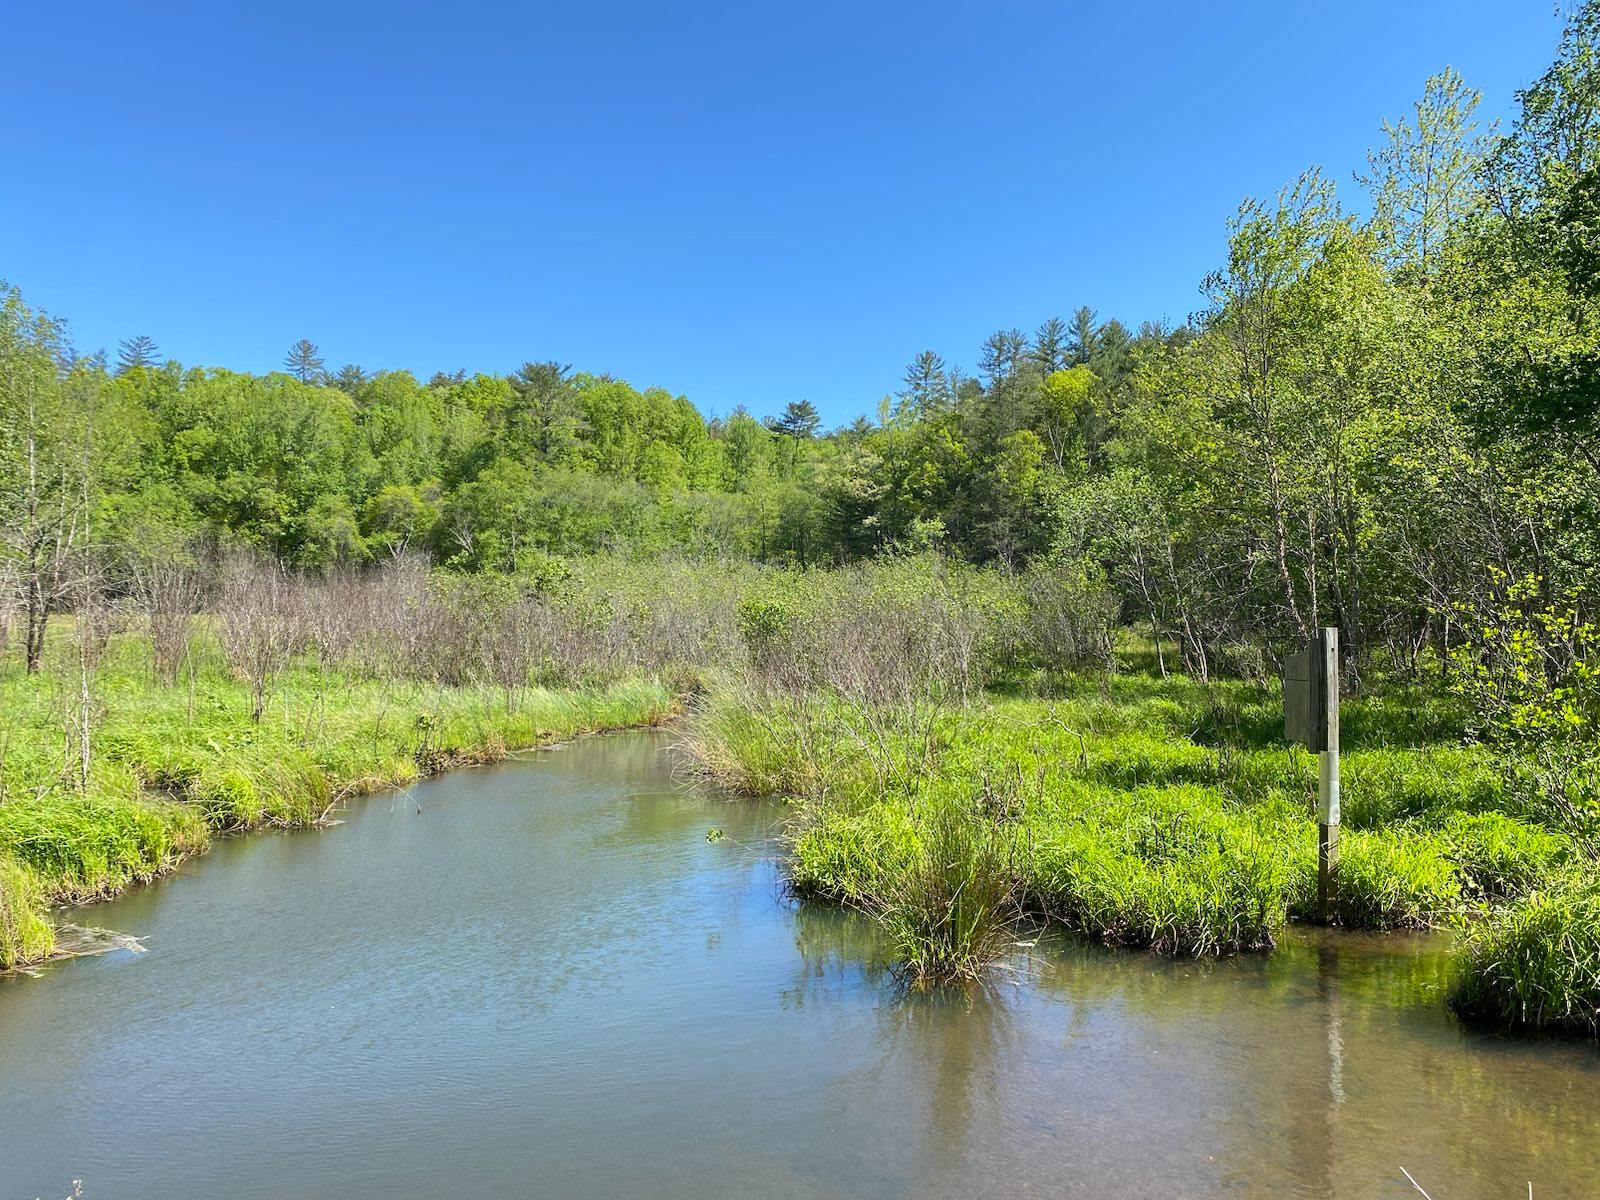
542	979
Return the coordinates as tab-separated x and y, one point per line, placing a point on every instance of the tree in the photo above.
544	420
349	378
304	361
799	420
1557	133
1050	346
137	352
1066	404
1423	180
38	501
927	388
1002	352
1083	337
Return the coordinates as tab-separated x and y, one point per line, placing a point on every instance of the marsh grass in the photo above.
172	765
952	903
1535	964
25	933
1144	812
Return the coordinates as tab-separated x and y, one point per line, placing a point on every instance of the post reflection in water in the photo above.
548	981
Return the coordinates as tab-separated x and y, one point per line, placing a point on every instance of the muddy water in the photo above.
544	980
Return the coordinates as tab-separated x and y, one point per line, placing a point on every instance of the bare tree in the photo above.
92	626
260	627
170	586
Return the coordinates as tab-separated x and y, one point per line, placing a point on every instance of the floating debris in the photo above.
78	941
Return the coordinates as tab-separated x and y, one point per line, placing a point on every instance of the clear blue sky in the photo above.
747	203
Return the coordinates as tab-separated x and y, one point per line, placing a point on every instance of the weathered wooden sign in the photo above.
1302	698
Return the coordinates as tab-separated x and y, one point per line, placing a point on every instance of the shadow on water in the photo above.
543	978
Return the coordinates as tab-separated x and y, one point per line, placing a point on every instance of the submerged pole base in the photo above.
1327	873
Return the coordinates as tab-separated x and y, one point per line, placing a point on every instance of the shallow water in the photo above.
542	979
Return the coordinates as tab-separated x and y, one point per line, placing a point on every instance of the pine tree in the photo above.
1085	335
1050	346
927	388
799	420
304	361
137	352
1002	352
349	378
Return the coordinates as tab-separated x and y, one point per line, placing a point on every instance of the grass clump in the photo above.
940	875
1535	964
951	907
25	931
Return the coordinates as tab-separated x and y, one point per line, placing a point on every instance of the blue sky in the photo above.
746	203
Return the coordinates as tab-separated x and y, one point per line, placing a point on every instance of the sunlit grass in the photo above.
1138	811
172	765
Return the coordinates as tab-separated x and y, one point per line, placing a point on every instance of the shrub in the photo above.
1069	614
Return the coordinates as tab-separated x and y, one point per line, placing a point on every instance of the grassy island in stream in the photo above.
172	765
1141	811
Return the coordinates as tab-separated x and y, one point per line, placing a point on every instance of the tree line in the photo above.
1381	417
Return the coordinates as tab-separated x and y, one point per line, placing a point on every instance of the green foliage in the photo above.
1531	671
1390	879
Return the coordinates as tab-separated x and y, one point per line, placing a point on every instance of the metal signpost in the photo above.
1311	717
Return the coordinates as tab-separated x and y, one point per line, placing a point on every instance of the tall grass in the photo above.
951	904
1535	964
25	933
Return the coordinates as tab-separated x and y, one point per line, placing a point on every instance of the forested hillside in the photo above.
1382	417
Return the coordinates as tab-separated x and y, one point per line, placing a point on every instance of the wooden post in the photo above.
1327	650
1311	717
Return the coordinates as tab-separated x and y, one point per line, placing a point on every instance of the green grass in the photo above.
25	932
1138	811
169	770
1535	964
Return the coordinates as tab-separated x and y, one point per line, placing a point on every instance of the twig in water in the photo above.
1415	1184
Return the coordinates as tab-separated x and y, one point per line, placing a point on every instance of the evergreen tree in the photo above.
304	361
927	389
137	352
1083	338
545	420
349	378
1050	346
1001	354
799	420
